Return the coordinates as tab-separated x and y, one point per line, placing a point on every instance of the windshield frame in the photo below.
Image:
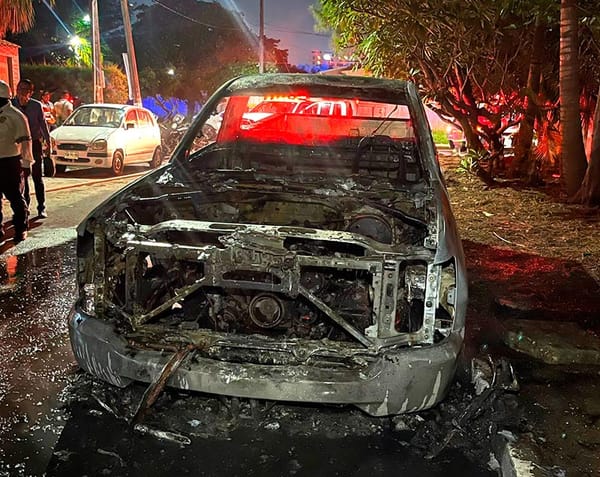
348	87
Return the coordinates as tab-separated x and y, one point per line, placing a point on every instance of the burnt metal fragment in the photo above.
156	387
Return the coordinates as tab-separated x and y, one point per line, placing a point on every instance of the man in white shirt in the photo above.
15	153
63	108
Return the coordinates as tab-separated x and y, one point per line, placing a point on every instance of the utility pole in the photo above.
96	54
131	61
261	39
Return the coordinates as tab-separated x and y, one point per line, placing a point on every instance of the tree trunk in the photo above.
589	192
573	152
523	157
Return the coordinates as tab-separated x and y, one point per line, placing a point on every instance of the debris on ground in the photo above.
552	276
158	385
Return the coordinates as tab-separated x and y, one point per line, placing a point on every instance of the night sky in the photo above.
288	20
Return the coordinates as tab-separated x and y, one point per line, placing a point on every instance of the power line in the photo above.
298	32
182	15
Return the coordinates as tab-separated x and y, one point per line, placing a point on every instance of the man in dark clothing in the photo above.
15	149
40	142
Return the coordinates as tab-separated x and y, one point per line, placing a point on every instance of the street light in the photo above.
75	41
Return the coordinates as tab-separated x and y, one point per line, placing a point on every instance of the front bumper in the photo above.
83	158
401	380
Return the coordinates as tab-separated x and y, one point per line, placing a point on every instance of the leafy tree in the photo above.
78	81
17	16
469	58
589	49
49	40
485	65
188	48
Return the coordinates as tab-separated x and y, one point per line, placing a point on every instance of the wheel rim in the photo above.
118	163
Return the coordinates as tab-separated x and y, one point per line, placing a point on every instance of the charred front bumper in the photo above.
397	380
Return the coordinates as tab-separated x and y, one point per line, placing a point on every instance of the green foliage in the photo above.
202	42
115	90
439	136
470	162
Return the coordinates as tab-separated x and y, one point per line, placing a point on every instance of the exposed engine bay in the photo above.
325	267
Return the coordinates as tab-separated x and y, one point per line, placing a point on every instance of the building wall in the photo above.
9	63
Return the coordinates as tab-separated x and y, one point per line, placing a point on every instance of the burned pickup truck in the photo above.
307	255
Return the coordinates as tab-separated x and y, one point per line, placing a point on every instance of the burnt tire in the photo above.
60	168
157	158
118	163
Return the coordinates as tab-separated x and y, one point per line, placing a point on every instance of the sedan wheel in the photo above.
156	158
117	163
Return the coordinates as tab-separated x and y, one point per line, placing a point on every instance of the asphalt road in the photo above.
36	291
70	196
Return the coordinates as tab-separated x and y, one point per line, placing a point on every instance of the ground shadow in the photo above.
560	402
99	173
9	232
506	284
536	287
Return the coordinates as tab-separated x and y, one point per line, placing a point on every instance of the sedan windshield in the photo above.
97	117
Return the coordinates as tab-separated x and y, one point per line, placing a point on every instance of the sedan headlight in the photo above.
98	145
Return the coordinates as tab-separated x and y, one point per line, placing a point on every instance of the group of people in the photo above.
56	113
24	141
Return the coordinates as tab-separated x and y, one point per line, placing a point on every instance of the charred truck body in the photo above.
303	256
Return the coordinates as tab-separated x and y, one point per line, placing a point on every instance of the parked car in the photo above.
309	258
108	136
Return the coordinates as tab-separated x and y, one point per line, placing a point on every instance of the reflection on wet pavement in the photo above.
36	292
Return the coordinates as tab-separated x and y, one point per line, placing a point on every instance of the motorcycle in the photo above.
171	132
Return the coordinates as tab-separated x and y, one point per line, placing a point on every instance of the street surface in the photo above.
36	290
56	420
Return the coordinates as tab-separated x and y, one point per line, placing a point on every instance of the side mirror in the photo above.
129	125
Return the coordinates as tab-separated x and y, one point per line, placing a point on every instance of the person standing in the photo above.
48	108
63	108
15	148
40	142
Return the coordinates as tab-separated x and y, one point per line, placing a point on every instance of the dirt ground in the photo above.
537	221
531	256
